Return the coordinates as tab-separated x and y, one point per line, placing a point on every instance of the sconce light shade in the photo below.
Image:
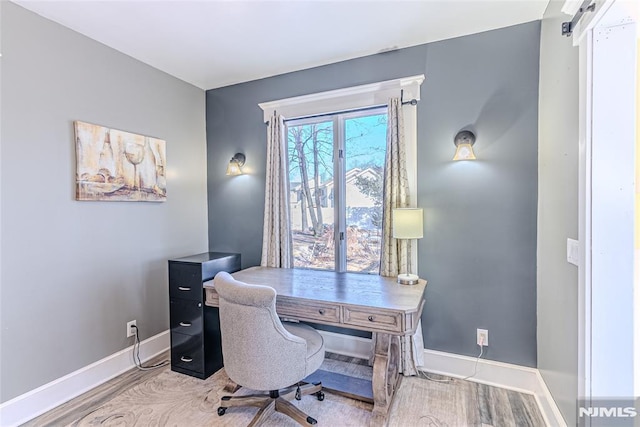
233	168
464	141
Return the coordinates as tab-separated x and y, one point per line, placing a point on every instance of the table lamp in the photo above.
407	224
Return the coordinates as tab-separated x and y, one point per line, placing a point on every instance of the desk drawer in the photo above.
187	352
373	319
186	316
309	310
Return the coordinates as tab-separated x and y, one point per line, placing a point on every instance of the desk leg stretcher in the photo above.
384	381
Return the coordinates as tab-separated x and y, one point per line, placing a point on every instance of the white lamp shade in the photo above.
407	223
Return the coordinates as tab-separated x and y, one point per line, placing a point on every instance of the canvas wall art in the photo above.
119	166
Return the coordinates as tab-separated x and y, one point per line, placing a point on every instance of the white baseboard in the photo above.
42	399
513	377
505	375
547	404
346	344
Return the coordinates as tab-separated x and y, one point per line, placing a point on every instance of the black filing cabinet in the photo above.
196	349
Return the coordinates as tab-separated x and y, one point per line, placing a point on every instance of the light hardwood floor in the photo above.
165	398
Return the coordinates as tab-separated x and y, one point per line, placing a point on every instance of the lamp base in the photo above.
408	279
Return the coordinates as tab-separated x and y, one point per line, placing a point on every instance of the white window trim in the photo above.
344	99
363	96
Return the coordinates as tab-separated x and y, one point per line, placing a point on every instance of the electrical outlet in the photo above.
131	331
483	337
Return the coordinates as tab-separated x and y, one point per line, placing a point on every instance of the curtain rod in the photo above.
403	102
568	27
355	110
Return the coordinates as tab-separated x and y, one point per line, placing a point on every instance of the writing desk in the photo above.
351	300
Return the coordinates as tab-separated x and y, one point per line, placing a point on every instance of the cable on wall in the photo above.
136	355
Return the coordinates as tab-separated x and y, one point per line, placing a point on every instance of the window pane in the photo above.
365	144
310	150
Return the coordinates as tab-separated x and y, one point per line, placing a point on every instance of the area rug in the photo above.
173	399
165	398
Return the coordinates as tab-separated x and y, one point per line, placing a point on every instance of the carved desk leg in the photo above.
386	376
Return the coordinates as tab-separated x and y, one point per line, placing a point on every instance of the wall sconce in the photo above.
407	224
464	141
235	163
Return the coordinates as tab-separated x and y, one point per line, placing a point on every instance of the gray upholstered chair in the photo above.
262	353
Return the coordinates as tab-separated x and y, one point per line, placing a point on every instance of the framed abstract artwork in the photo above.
114	165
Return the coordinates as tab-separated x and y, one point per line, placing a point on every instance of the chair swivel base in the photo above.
275	401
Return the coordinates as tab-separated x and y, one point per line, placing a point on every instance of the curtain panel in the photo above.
277	241
396	253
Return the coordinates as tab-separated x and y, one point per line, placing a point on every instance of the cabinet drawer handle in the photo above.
186	359
185	323
370	318
184	288
321	311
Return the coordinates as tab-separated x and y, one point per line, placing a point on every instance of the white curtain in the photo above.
397	253
277	240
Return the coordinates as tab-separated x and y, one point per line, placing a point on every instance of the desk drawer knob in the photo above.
184	288
186	324
321	311
370	318
186	359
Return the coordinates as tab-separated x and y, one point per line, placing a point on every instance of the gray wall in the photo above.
479	250
73	273
558	213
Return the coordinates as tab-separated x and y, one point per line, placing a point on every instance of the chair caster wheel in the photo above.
320	395
221	411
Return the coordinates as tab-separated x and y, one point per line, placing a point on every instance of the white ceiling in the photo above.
214	43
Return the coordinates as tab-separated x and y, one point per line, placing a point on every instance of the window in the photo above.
353	173
335	177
